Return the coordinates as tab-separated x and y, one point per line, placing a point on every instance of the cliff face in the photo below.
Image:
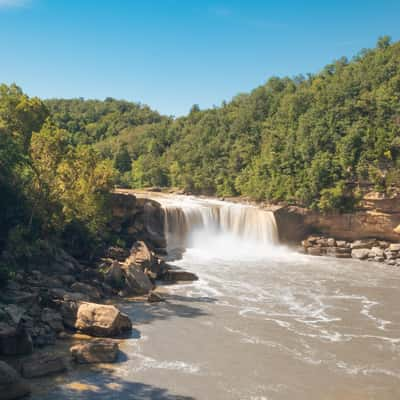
378	217
138	219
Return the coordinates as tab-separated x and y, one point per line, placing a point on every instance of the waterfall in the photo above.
189	222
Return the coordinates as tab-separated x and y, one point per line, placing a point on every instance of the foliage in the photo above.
300	140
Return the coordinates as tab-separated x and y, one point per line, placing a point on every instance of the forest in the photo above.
311	140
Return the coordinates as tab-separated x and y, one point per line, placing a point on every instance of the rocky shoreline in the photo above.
364	249
54	302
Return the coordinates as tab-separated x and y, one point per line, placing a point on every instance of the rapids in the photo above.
262	323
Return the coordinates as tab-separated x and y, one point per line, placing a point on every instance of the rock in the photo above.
338	252
360	254
86	289
67	279
175	275
394	247
42	364
117	253
331	242
99	351
154	298
101	320
314	251
137	282
64	295
363	244
15	312
114	275
69	311
12	386
141	256
52	282
53	319
76	296
14	340
342	243
376	252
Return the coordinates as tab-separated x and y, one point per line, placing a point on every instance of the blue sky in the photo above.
171	54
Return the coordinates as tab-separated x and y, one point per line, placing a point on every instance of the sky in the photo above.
171	54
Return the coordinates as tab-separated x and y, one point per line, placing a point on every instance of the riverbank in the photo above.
59	296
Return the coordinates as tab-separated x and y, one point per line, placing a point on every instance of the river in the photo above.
262	322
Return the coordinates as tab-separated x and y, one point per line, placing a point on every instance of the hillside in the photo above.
312	140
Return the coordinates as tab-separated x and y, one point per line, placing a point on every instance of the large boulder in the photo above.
360	254
137	282
42	364
99	351
12	386
141	256
101	320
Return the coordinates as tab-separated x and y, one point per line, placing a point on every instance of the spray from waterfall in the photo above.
217	225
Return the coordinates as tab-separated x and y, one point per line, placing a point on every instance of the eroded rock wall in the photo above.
378	217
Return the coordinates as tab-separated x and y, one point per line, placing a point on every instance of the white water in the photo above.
225	229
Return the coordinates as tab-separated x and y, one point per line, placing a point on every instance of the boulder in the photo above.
141	256
376	252
12	386
67	279
331	242
86	289
53	319
114	275
15	312
394	247
117	253
175	275
101	320
137	282
99	351
14	340
69	311
360	254
42	364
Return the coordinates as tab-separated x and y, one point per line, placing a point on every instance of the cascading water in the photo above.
217	225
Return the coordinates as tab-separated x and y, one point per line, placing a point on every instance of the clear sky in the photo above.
171	54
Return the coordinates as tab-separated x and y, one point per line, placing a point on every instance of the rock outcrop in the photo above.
378	216
137	219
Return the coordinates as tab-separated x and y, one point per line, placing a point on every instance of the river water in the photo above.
263	322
